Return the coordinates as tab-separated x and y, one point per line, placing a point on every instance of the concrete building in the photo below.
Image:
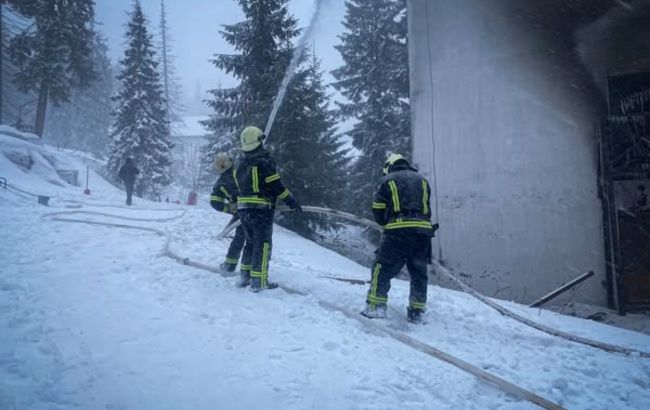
508	98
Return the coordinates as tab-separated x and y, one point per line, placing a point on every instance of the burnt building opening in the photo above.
625	173
617	44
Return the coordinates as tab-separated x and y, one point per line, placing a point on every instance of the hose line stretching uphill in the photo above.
371	325
438	268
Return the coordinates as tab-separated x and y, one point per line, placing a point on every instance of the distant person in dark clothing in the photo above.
127	174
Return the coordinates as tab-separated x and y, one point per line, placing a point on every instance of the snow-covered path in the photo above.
94	317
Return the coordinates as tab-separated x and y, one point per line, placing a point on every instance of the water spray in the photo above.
295	59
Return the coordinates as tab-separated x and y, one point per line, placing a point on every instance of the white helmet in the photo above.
222	162
392	159
251	138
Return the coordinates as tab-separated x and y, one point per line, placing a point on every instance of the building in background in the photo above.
188	138
513	108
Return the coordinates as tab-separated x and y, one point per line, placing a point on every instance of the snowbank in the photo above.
32	169
26	136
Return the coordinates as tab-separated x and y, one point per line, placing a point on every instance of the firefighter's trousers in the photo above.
397	249
258	228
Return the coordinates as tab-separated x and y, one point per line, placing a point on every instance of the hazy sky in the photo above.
194	28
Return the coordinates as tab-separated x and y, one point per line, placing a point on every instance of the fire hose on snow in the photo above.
438	268
503	384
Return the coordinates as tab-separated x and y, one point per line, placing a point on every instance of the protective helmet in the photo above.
222	162
392	160
251	138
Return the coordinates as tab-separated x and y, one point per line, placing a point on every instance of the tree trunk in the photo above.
41	109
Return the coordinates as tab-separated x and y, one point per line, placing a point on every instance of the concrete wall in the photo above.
503	117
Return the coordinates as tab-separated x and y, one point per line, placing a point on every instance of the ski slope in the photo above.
96	317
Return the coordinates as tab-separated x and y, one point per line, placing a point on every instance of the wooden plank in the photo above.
557	292
500	383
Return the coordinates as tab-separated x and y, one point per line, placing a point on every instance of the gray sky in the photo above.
194	27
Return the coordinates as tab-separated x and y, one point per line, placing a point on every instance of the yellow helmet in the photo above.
392	159
251	138
222	162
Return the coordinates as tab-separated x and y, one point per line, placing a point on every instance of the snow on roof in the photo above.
191	127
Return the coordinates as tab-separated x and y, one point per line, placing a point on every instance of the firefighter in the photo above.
259	187
224	199
401	205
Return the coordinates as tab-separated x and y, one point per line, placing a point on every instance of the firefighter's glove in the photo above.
294	205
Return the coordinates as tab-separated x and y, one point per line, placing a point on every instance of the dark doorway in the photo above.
625	178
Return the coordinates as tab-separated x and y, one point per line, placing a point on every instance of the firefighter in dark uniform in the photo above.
259	187
401	205
224	199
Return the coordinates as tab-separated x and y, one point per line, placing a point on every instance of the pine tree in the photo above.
140	128
263	45
84	122
375	81
15	106
56	56
220	141
316	164
321	121
303	138
171	82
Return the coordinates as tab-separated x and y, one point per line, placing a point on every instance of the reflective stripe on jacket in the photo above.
258	181
224	193
402	200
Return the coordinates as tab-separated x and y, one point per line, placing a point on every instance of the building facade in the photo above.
507	100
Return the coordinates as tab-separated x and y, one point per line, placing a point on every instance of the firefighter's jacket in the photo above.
402	202
259	182
224	193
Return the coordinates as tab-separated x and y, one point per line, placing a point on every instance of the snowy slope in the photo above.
96	317
32	167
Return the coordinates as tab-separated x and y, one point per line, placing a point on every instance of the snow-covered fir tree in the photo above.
219	141
258	64
331	182
262	56
315	162
375	81
303	138
84	122
55	55
171	82
15	105
140	128
262	44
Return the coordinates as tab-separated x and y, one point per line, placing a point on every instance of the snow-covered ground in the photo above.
95	317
